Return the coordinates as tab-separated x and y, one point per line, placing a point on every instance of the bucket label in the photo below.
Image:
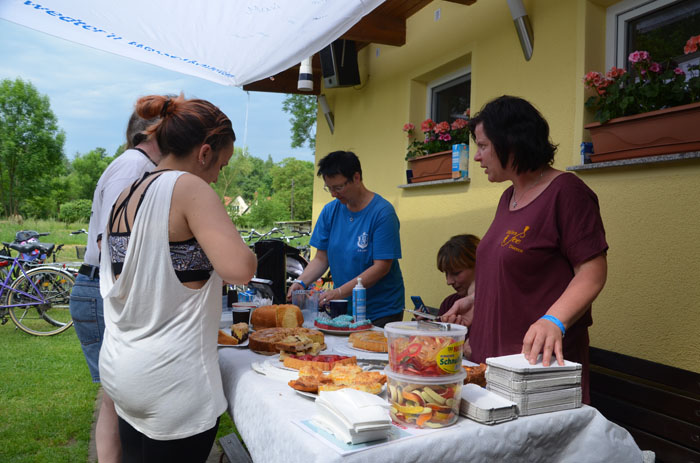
449	358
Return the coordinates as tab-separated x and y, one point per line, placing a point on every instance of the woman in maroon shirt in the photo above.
542	261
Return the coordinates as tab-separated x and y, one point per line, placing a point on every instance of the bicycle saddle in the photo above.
27	248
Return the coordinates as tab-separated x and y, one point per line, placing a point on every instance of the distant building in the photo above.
236	206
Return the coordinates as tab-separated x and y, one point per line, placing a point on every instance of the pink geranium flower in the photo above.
427	125
442	127
648	86
692	44
437	137
459	124
637	56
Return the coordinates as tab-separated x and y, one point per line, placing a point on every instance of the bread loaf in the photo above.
276	316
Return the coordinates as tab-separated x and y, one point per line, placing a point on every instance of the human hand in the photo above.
466	349
294	287
327	296
543	336
461	312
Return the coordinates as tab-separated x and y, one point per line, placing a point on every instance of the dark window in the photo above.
450	100
664	32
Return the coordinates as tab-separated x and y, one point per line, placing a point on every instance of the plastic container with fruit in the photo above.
425	349
424	402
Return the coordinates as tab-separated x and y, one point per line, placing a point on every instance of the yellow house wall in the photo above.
649	307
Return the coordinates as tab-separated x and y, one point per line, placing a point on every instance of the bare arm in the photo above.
312	272
370	277
208	221
544	336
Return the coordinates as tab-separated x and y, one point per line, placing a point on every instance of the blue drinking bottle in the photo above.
359	302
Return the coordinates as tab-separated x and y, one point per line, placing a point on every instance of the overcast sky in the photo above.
92	94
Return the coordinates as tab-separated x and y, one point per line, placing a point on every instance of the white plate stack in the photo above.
485	406
353	416
535	388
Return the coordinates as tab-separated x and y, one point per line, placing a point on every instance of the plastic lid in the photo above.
430	380
421	328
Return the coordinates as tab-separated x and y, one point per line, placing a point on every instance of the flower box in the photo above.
435	166
665	131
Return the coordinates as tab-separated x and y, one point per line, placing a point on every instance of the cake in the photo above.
240	331
341	323
322	362
276	316
264	340
374	341
312	379
226	339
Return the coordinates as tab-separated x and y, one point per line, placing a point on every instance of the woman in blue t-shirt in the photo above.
357	236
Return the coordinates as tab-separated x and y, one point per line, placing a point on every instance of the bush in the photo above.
265	213
75	211
39	208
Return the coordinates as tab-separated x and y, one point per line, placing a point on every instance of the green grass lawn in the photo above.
46	398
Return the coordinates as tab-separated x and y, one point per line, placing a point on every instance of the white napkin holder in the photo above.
353	416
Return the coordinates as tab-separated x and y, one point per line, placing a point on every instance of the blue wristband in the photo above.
303	285
557	322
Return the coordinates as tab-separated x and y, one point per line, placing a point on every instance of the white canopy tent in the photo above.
231	42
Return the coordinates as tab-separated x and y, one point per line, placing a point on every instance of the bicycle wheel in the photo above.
42	314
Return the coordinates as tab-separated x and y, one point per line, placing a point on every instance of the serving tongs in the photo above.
420	313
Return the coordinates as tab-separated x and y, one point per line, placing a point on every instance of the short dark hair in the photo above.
514	126
457	254
343	163
136	129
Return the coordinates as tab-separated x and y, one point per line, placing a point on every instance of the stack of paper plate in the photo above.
484	406
535	388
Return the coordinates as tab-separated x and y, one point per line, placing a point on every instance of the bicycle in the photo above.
36	299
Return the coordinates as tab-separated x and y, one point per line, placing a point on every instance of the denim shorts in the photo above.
88	318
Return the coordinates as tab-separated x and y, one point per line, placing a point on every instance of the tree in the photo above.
31	145
86	170
302	174
303	109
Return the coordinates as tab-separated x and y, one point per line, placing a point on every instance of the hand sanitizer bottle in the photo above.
359	302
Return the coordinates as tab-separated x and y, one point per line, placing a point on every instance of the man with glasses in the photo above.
356	235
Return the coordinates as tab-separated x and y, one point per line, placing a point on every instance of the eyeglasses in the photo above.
336	188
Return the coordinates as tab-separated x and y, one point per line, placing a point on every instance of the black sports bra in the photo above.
189	260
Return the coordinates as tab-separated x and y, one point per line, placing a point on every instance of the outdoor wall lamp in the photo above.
306	80
323	103
522	26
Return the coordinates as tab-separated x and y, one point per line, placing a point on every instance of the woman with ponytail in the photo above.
167	248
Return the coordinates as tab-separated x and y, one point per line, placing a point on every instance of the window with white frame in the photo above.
660	27
449	97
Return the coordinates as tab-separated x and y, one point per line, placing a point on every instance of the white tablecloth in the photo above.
264	409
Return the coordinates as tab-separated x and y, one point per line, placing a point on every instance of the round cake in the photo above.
341	323
265	340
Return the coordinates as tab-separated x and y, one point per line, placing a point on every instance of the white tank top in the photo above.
159	360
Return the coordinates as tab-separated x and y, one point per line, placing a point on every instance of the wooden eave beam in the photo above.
462	2
287	80
384	30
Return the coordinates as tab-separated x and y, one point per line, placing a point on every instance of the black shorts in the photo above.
138	448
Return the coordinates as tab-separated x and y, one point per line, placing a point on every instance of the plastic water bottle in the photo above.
359	302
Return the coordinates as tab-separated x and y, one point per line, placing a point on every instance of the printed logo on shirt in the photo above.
363	241
513	238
